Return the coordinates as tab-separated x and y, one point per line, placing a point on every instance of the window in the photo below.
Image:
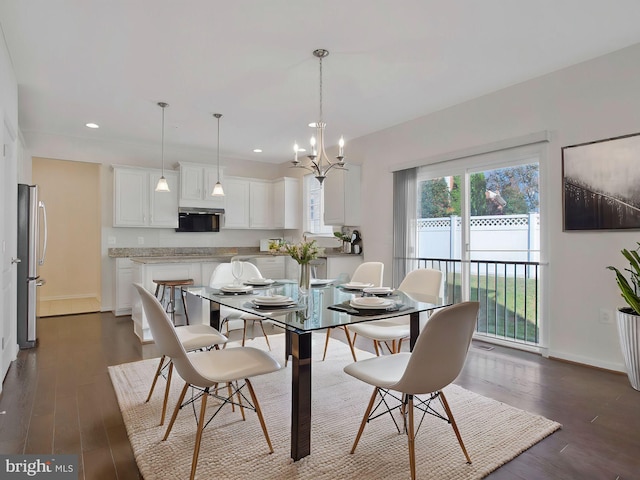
314	206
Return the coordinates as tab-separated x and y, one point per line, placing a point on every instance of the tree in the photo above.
478	200
434	198
518	186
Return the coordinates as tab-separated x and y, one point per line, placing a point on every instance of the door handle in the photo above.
15	260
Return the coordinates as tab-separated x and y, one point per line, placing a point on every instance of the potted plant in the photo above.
628	318
346	241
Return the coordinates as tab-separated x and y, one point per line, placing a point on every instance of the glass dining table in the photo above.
321	307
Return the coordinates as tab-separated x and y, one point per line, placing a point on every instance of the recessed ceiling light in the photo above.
301	149
257	150
93	125
313	124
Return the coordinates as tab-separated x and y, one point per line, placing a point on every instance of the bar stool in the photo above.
172	284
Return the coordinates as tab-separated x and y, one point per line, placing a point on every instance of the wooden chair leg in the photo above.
445	404
259	412
166	393
326	344
244	332
240	402
230	393
155	378
412	437
353	352
364	419
265	334
196	448
375	346
175	411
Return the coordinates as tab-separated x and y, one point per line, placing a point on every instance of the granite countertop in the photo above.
195	254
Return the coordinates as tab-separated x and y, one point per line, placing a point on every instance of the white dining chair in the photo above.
205	371
423	284
193	338
222	275
436	360
367	272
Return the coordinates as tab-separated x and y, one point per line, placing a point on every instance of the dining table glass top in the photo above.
320	307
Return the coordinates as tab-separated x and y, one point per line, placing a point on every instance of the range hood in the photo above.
200	211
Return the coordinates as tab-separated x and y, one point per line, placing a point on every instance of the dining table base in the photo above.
299	346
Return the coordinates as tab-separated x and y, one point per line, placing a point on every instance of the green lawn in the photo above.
508	307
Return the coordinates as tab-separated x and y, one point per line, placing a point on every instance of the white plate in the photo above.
236	288
371	303
281	303
272	298
274	301
258	281
378	290
321	281
356	285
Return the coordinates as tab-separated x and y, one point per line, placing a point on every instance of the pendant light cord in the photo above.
163	141
218	115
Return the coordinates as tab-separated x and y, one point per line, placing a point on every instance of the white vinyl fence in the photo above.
507	238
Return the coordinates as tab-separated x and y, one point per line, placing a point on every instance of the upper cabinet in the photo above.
236	202
261	204
137	204
342	196
196	184
286	203
248	202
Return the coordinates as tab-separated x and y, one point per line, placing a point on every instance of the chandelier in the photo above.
319	164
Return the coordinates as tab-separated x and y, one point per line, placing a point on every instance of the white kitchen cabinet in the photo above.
196	184
207	269
137	204
247	203
271	266
260	204
341	266
163	206
236	203
342	204
145	274
130	195
123	287
286	203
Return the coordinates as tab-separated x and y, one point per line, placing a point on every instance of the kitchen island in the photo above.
143	265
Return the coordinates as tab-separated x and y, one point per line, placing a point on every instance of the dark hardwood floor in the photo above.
58	398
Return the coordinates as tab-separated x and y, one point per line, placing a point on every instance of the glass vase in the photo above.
305	277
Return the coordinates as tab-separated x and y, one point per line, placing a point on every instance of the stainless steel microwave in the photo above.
199	219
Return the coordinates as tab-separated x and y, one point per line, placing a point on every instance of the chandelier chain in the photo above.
321	120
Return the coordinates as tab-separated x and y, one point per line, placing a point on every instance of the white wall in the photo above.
590	101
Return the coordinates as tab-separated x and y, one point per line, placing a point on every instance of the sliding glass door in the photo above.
479	222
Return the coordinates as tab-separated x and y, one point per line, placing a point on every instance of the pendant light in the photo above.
162	185
217	189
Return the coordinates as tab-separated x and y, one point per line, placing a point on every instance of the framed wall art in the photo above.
601	184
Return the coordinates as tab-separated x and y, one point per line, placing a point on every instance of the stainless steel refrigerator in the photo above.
32	248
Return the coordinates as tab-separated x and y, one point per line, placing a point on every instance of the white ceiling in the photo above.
110	62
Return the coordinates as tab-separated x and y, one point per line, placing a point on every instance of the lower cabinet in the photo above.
124	291
343	266
271	266
145	273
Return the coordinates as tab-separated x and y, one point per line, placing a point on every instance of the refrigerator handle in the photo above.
44	244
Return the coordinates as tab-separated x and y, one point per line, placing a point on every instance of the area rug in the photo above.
493	432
